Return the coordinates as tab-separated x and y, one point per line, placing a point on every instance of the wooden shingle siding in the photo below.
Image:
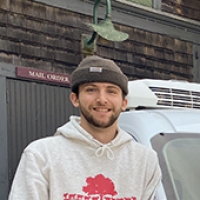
184	8
40	36
150	55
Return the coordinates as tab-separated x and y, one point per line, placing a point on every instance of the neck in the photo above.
103	135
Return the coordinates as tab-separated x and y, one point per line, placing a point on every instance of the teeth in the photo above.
102	109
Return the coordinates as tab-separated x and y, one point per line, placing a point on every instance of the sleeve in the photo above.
30	181
153	179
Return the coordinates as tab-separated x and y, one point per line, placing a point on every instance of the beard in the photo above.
97	122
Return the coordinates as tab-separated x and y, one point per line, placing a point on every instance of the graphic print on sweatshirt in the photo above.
98	188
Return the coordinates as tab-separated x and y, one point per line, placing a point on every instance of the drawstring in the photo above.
101	150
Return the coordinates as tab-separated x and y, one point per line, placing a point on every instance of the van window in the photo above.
180	164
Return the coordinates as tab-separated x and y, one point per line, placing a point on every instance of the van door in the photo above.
180	164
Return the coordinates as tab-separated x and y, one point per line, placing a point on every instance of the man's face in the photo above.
100	103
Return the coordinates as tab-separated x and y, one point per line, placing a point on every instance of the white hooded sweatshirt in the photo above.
72	165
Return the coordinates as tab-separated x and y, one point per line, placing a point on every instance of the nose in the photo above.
102	97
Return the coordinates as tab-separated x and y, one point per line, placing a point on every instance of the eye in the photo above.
112	91
90	89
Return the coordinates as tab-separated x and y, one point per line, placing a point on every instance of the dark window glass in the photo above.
180	164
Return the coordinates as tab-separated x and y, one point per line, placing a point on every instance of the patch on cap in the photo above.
95	69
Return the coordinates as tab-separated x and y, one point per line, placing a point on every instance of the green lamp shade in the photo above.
105	29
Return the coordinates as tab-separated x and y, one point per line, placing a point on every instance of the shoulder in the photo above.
141	151
137	146
146	157
44	144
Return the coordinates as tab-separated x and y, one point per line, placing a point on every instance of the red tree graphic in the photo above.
99	185
98	188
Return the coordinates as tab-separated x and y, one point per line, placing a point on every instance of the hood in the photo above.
73	130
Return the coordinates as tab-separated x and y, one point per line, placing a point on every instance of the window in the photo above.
148	3
180	164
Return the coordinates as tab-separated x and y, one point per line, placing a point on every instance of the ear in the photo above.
74	99
124	104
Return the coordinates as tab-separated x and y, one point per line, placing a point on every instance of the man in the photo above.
89	157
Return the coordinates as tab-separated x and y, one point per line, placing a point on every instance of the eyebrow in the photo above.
93	84
108	87
113	87
89	84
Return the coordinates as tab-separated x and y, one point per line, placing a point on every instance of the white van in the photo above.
165	115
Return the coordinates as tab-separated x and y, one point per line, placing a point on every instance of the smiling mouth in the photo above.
102	109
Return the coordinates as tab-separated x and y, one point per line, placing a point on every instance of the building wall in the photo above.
184	8
41	36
